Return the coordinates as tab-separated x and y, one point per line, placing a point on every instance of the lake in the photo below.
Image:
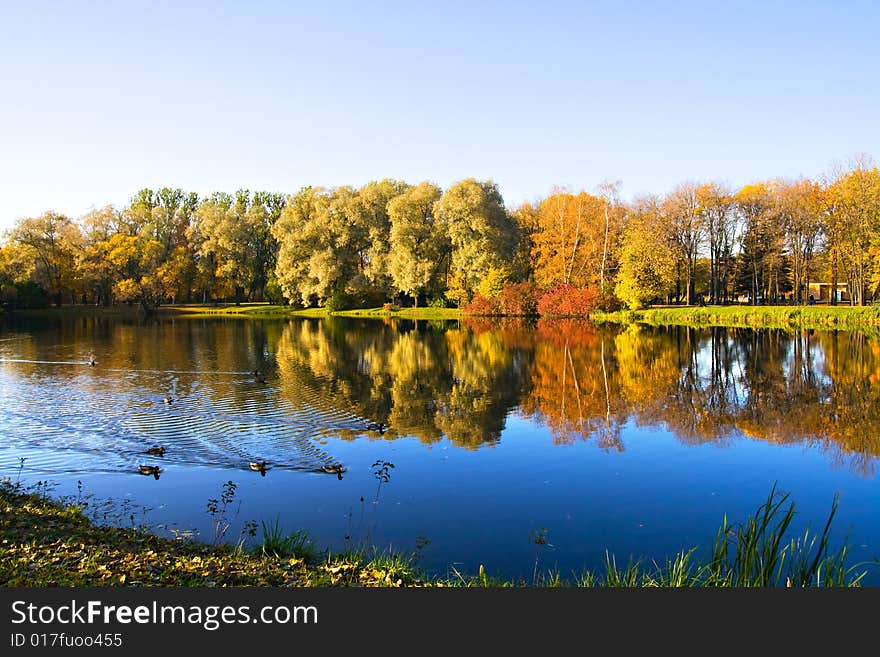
462	441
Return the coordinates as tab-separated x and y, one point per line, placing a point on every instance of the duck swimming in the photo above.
156	451
334	468
259	466
149	470
167	399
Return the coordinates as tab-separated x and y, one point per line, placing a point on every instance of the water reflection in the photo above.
585	383
247	391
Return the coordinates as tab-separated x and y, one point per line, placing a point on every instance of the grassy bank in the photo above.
265	311
244	311
48	543
815	317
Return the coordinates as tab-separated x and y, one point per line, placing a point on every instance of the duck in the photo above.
379	427
334	468
156	451
259	466
167	399
92	360
149	470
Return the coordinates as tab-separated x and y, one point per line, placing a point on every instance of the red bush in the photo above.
481	305
568	301
518	299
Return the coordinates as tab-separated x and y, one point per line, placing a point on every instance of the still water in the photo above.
636	440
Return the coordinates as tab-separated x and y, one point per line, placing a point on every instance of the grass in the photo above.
46	543
242	311
266	311
808	317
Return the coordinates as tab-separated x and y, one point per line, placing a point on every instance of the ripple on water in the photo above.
66	420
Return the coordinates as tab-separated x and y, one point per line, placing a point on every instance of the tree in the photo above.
137	261
50	243
761	242
856	197
575	237
799	212
526	219
480	231
368	216
317	245
234	236
647	256
419	247
681	210
719	218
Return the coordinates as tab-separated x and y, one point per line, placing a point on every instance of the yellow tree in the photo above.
799	213
856	195
569	243
51	243
647	256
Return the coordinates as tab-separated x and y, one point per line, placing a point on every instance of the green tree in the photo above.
419	247
480	231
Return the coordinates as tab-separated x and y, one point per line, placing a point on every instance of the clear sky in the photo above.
100	99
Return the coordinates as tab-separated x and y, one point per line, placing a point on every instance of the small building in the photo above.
821	292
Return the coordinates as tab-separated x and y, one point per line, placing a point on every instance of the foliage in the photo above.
518	299
481	305
481	233
766	242
339	300
568	301
647	258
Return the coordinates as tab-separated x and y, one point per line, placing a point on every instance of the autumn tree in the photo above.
49	245
480	231
419	247
575	238
137	261
525	217
719	219
234	236
97	271
369	219
798	210
318	252
647	256
761	264
681	209
855	196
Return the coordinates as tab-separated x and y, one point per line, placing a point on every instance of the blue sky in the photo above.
101	99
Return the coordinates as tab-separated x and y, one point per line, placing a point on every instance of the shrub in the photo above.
339	300
438	302
390	307
518	299
481	305
609	302
568	301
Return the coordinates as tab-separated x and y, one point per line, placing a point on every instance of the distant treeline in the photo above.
393	242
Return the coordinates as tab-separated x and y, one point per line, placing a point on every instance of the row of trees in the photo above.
393	241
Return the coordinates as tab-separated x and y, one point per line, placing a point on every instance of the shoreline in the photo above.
864	318
49	542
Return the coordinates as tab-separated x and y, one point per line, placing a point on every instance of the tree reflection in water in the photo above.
462	380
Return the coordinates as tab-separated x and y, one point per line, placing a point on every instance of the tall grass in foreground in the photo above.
754	553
